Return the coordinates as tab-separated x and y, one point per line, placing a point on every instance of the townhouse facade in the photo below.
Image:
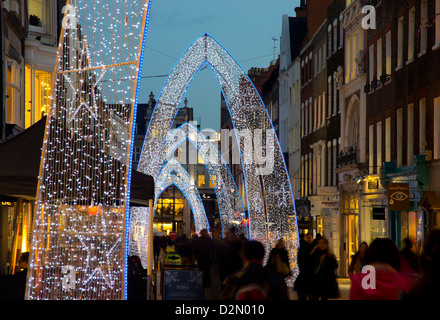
370	124
403	113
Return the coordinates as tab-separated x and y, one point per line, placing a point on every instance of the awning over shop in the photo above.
430	200
20	164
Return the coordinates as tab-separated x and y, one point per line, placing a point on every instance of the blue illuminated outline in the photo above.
130	161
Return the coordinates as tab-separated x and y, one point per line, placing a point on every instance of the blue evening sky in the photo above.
244	27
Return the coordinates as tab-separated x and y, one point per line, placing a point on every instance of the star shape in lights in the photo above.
84	82
103	271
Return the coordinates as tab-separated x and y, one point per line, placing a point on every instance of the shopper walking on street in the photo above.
204	248
323	271
410	257
253	282
359	259
229	254
388	282
278	261
303	282
426	287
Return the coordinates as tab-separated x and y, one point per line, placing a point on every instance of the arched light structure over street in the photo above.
269	196
174	173
226	190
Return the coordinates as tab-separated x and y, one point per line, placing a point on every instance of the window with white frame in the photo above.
379	144
371	62
422	125
329	163
379	67
348	60
13	92
423	26
388	139
437	23
411	34
388	53
354	48
329	96
410	135
39	11
329	40
341	31
302	121
335	97
315	114
399	136
400	42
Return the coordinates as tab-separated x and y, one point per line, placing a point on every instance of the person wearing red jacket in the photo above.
382	278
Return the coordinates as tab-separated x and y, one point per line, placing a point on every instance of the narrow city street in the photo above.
295	141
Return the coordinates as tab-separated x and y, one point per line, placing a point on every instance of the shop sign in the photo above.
398	196
378	213
373	185
303	224
6	204
330	204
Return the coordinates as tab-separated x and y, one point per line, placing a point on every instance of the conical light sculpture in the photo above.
81	225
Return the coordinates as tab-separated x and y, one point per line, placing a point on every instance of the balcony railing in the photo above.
346	158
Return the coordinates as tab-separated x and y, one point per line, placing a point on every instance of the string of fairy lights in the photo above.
271	210
80	242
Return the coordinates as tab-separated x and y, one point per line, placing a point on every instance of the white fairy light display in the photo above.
226	190
80	238
174	173
269	197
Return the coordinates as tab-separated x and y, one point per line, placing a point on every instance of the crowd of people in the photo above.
244	275
402	275
242	271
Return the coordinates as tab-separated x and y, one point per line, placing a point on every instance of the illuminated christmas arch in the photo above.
268	195
229	201
174	173
80	235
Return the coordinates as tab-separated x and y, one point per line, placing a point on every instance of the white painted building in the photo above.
289	99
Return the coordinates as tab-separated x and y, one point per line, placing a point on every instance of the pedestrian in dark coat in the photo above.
228	257
253	282
323	268
204	249
426	287
409	255
278	261
303	282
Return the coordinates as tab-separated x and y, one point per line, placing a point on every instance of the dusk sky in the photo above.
244	27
